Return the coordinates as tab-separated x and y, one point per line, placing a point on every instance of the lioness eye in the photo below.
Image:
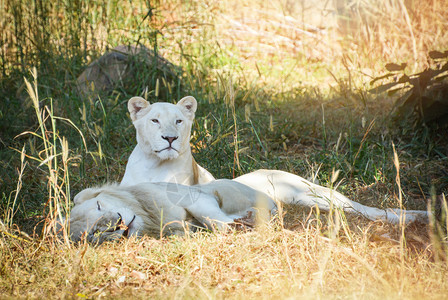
178	121
155	121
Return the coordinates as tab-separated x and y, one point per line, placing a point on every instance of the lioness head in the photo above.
163	129
101	215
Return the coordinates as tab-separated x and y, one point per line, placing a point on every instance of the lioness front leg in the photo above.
207	211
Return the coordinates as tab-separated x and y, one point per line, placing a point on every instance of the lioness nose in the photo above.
170	139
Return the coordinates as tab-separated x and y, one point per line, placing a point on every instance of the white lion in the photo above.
163	154
157	209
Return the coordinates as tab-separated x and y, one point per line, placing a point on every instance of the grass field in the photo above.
279	86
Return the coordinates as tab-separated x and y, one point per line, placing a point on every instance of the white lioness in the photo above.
154	160
156	209
163	152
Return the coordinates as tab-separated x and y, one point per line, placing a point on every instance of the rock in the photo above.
117	66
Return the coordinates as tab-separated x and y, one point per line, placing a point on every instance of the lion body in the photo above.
157	209
164	191
282	186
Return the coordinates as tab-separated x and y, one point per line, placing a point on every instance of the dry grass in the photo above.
285	38
237	55
269	262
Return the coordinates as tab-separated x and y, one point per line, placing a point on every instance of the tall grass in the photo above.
35	32
53	153
275	92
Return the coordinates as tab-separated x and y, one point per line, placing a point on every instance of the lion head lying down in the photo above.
110	212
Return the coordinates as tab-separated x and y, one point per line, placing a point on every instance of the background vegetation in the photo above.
280	85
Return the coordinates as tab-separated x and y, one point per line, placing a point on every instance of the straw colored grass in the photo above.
265	263
277	89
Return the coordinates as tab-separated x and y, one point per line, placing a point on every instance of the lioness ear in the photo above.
86	194
188	105
135	105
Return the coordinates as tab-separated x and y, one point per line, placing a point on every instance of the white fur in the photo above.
157	209
153	160
144	166
293	189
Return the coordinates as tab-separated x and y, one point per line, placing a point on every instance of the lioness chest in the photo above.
141	168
